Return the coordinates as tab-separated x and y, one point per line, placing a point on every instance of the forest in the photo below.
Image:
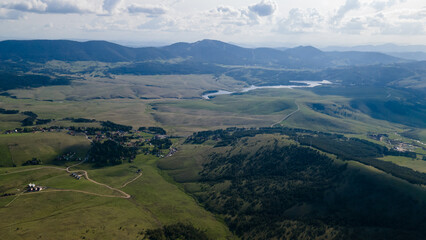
292	190
110	153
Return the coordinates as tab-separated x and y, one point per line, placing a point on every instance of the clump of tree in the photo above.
110	153
153	130
42	121
33	161
176	231
110	126
10	80
29	121
80	120
161	143
5	111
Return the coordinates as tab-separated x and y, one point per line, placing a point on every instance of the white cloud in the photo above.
160	23
264	8
147	9
51	6
417	14
245	16
384	4
10	14
353	26
343	10
110	5
38	6
301	20
231	16
236	20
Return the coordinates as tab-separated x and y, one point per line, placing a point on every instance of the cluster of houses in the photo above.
33	188
75	175
34	129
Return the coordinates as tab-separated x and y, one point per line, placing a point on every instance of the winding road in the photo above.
288	115
86	175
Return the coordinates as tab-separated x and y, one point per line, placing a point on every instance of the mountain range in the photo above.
411	52
205	51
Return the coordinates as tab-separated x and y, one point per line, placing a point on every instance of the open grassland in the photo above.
10	121
132	112
71	215
415	164
167	101
21	147
131	86
267	106
54	178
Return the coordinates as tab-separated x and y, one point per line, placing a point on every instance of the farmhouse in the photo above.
33	188
76	176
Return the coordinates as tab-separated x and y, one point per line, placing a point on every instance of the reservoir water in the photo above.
301	84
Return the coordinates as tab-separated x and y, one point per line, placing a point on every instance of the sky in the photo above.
272	23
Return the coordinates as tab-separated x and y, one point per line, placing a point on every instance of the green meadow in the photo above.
165	193
18	148
70	215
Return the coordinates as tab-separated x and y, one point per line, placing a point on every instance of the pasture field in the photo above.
69	215
18	148
415	164
267	106
87	87
133	112
162	194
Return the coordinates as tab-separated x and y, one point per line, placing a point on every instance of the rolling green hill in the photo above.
268	187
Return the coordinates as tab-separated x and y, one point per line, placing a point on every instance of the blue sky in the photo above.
257	22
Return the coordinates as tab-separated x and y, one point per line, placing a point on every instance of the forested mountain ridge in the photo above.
205	51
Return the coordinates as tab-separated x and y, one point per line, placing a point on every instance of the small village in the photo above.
397	144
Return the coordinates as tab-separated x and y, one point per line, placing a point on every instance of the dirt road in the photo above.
287	116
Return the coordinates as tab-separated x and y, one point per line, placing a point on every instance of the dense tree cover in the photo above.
110	153
30	114
110	126
293	192
176	231
4	111
411	112
265	184
43	121
345	148
161	143
29	121
153	130
33	161
80	120
365	152
12	80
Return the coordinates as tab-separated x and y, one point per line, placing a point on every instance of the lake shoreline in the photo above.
304	84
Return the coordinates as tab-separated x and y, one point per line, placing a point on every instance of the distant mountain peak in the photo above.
204	51
304	51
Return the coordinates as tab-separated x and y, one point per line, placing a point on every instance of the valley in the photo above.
220	147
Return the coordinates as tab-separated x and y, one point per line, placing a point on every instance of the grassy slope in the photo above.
185	165
19	148
124	111
131	86
265	107
415	164
64	215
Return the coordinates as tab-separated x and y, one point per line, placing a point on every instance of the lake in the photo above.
301	84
